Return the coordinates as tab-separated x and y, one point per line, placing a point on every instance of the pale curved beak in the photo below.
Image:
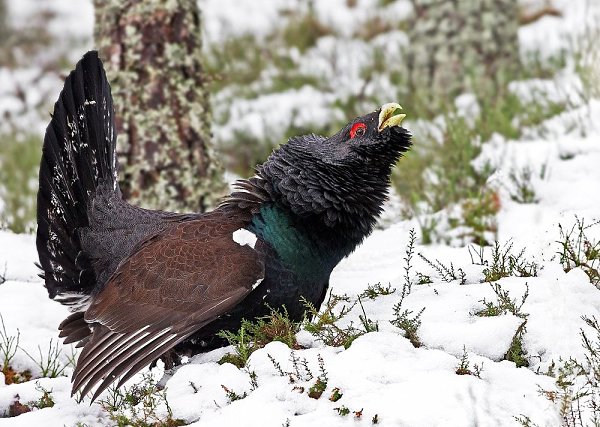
390	116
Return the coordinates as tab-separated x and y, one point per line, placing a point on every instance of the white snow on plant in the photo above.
550	35
21	91
565	87
223	19
27	93
270	115
62	17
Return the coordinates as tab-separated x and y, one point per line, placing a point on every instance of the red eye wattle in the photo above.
358	129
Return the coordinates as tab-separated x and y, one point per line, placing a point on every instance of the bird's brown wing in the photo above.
175	283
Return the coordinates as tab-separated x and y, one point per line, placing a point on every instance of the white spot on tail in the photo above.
244	237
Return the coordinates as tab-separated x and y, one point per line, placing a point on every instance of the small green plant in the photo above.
137	406
516	352
324	327
438	172
252	336
525	421
428	226
320	385
45	401
19	163
50	365
373	291
503	262
447	274
232	395
464	368
478	218
243	346
277	326
342	410
8	349
587	61
522	191
304	30
408	322
301	371
504	303
565	155
368	325
316	390
508	114
245	70
577	392
405	319
336	395
253	379
8	346
410	250
579	251
423	279
72	358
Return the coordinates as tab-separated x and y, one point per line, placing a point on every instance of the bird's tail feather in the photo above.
79	158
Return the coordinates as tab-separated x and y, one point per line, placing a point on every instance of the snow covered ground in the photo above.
381	375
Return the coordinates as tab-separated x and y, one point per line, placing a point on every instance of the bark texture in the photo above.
152	53
3	21
456	44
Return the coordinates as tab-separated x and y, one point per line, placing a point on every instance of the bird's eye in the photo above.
358	129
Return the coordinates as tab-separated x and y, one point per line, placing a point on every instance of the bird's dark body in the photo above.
116	228
142	283
300	276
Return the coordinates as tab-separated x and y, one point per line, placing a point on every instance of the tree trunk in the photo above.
152	52
3	21
461	45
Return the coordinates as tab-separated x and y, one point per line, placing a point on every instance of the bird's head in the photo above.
372	142
341	180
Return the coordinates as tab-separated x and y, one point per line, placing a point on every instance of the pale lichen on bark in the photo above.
456	44
152	52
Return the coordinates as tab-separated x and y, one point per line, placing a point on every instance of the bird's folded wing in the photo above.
170	287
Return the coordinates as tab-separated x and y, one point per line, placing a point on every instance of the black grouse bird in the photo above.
141	282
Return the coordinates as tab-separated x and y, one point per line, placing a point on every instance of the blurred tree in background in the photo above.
3	21
461	46
152	52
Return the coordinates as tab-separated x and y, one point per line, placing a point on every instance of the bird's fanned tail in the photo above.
79	157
